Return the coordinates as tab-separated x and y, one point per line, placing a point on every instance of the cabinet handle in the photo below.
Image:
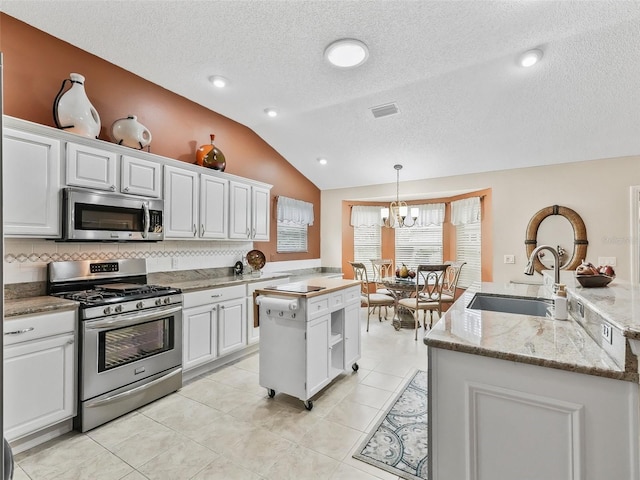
248	233
113	188
221	307
202	229
195	230
126	189
18	332
71	341
253	233
216	295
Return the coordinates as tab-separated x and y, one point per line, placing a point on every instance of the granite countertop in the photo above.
528	339
33	305
328	285
187	281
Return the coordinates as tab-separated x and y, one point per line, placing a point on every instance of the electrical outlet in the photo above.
509	259
607	261
607	333
175	263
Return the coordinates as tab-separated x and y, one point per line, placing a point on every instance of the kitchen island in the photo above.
309	334
530	397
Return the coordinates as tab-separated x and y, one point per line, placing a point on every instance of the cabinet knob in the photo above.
126	189
71	341
113	188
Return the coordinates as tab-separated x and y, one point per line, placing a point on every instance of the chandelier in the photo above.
396	214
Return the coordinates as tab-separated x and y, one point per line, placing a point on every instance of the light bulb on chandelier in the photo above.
395	215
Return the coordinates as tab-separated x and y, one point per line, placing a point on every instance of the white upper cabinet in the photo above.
141	177
249	212
181	203
214	206
31	182
91	167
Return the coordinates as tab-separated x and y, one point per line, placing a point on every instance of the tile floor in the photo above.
223	426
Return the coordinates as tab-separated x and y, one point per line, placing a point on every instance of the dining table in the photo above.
401	288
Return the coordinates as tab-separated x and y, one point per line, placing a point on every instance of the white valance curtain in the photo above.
465	211
365	216
294	212
429	214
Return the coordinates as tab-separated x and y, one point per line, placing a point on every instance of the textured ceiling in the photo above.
465	106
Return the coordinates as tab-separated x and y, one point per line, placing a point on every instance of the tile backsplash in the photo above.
26	260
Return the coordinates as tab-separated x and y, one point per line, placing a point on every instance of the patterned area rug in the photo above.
398	443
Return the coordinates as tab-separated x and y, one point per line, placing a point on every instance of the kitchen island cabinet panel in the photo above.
31	182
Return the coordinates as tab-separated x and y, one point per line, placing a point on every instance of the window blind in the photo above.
418	245
468	247
366	246
291	238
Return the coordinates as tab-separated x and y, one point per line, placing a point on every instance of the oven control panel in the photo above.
130	306
104	267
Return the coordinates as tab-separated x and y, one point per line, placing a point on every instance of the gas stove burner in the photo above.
90	296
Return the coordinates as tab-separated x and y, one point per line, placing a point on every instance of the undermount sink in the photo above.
538	307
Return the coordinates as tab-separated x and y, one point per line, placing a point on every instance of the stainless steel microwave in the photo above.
92	215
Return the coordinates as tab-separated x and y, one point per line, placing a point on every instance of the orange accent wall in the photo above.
36	63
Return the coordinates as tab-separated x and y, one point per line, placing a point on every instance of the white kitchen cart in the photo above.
308	338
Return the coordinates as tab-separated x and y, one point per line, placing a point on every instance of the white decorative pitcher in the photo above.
131	133
72	110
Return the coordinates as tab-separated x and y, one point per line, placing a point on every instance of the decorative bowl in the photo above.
256	259
594	281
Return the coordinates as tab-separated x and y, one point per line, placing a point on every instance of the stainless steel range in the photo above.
130	336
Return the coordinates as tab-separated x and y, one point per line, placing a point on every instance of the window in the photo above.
291	238
465	215
468	246
418	245
366	246
367	243
294	216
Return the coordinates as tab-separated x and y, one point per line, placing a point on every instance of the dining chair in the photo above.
450	282
429	279
370	300
382	268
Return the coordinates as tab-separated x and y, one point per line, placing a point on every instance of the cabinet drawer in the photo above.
317	306
32	327
336	300
352	294
213	295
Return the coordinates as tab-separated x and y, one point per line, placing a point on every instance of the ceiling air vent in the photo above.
385	110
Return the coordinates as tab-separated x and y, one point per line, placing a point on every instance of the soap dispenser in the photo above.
560	303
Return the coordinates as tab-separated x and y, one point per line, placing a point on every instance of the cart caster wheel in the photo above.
355	367
308	405
271	392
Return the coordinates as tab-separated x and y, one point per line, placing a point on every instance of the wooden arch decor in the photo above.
579	236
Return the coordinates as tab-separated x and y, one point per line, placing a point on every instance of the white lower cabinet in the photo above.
214	324
39	372
493	419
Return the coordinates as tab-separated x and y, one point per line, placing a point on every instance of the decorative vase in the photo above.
130	133
209	156
72	110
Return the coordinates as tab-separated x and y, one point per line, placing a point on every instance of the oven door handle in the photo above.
131	319
119	396
147	221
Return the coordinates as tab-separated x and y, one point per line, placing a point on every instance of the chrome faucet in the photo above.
528	270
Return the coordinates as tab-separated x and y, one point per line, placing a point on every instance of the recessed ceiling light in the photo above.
530	58
272	112
346	53
322	161
218	81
